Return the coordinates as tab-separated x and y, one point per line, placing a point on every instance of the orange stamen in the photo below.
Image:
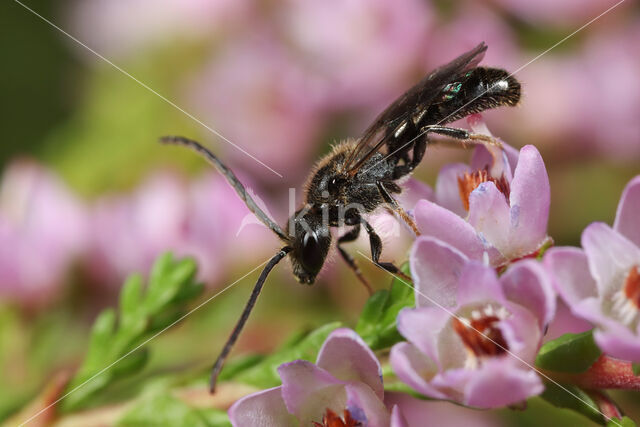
470	181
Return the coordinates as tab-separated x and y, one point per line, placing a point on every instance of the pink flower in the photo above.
601	282
117	27
259	98
483	332
362	51
201	219
558	13
42	231
346	381
507	212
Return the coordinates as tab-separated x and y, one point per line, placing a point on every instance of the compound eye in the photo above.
312	254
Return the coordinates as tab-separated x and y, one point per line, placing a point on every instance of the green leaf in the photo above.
377	323
265	373
572	397
114	347
621	422
636	368
162	409
569	353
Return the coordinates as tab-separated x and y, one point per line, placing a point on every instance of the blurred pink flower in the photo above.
260	99
452	359
345	381
200	219
507	211
117	27
362	51
589	98
42	232
559	13
602	282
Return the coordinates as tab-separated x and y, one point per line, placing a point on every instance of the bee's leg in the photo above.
461	137
376	249
395	207
350	236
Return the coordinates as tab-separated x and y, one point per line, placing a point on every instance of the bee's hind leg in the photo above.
376	250
350	236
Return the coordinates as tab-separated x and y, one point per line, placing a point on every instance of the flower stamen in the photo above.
470	181
331	419
626	302
480	334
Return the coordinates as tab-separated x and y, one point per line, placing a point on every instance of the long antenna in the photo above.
217	367
231	177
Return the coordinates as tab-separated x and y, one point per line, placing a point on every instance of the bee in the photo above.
360	176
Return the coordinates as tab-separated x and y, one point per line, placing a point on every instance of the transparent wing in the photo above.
384	133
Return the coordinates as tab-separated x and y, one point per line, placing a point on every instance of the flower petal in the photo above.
397	419
447	189
346	356
415	369
435	268
441	223
264	408
411	324
526	283
529	200
619	342
569	271
489	216
628	215
478	284
365	406
308	391
501	382
610	256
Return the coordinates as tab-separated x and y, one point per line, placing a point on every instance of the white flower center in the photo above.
626	302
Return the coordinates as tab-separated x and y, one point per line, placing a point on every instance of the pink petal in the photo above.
308	390
478	284
569	271
628	216
447	190
489	216
411	324
435	268
415	369
397	419
264	408
365	406
565	322
527	283
501	382
441	223
346	356
610	255
529	200
619	342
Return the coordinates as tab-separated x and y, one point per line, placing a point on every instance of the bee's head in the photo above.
310	240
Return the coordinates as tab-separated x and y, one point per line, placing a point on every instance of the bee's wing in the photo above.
381	133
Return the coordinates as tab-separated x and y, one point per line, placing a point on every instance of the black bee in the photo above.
359	176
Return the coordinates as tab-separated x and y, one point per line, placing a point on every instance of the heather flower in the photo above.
344	387
483	332
601	282
117	27
200	219
259	98
42	231
361	51
487	208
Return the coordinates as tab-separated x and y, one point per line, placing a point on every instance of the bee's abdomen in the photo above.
478	90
